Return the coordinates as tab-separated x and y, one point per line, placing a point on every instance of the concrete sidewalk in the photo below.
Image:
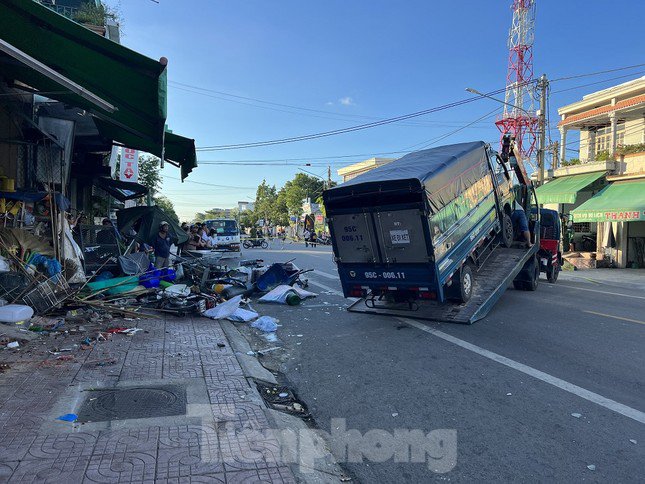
626	278
214	434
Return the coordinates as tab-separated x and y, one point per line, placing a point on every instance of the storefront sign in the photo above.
635	215
129	165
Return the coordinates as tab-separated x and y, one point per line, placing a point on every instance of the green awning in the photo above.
565	189
619	202
131	82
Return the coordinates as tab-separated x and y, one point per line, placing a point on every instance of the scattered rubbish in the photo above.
299	335
221	345
14	313
178	290
13	344
633	441
66	358
250	353
283	294
270	337
243	315
282	398
268	350
509	394
576	415
591	467
224	310
395	414
344	478
266	324
68	417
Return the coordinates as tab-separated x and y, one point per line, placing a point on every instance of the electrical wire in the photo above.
351	128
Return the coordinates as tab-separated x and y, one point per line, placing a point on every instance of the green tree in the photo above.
149	175
297	190
166	205
266	198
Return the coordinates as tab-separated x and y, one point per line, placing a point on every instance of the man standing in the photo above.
162	246
521	231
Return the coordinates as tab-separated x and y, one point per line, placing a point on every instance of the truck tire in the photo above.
506	235
462	289
533	284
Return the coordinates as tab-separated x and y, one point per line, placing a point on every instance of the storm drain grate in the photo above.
128	403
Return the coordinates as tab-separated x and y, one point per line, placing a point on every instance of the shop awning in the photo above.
618	202
565	189
132	84
122	190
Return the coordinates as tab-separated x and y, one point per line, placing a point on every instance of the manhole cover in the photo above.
129	403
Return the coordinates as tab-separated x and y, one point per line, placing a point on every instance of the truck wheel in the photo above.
533	284
464	290
507	231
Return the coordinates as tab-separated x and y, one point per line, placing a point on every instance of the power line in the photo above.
210	184
307	111
598	82
597	73
350	128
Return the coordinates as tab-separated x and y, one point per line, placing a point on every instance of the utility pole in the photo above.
328	177
543	84
555	156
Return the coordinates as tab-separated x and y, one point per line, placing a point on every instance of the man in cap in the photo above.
162	246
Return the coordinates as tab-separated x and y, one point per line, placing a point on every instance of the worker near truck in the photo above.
521	231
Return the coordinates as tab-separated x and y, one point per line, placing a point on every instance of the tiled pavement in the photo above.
223	443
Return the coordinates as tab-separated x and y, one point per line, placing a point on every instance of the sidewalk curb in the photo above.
327	471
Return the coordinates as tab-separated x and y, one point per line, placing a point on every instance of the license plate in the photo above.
399	236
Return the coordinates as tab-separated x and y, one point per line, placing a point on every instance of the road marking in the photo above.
326	274
616	317
326	288
540	375
331	290
601	292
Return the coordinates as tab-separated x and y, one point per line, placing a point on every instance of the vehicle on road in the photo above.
257	242
550	253
435	225
227	233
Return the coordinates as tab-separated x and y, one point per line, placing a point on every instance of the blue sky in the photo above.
356	61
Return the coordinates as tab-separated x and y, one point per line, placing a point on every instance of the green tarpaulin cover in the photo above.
135	84
620	201
565	189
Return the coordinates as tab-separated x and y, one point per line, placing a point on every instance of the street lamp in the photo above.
475	91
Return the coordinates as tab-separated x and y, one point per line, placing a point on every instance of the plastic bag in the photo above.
224	310
266	324
280	294
243	315
177	290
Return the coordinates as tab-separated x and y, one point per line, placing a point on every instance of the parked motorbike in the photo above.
251	243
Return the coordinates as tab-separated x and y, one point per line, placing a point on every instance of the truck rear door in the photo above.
354	238
402	237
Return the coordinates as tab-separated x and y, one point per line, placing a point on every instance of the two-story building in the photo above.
352	171
602	189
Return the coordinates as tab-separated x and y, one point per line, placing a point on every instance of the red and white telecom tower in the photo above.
519	119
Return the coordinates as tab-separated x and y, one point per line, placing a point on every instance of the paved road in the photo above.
508	385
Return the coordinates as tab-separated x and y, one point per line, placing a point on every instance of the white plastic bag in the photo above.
177	290
266	324
224	310
243	315
280	293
